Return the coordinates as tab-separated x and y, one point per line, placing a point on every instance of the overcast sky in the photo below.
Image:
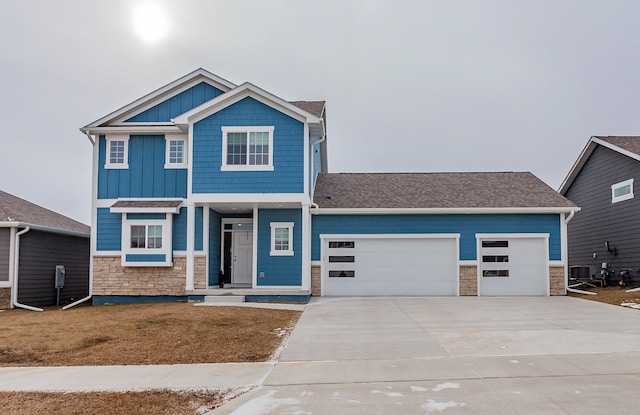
424	85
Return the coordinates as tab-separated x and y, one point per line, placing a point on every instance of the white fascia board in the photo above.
165	91
249	198
616	148
49	229
512	235
392	236
577	166
432	211
135	129
245	90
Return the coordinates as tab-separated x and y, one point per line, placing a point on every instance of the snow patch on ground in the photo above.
631	305
418	389
432	406
446	385
514	361
266	404
284	334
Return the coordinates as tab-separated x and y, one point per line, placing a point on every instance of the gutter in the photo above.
14	290
43	228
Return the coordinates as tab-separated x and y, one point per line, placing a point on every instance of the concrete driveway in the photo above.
542	355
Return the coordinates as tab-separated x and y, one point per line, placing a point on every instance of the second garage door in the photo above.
390	266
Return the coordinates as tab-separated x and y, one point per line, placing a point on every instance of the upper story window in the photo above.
117	152
176	152
622	191
281	238
247	148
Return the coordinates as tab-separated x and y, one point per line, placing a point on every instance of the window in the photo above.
495	244
176	152
622	191
495	273
146	236
282	238
342	274
342	244
495	258
117	156
342	258
247	148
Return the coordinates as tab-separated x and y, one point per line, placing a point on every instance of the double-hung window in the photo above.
176	152
117	150
146	236
247	148
281	238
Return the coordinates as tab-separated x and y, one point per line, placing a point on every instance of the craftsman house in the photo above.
204	184
603	236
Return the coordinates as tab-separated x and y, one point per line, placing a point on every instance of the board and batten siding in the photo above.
466	225
146	175
5	234
40	252
288	152
600	220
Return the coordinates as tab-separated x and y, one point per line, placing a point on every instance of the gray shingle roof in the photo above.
15	209
147	203
435	190
312	107
629	143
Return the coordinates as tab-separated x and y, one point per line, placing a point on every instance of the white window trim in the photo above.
166	242
277	225
185	152
246	129
108	164
617	186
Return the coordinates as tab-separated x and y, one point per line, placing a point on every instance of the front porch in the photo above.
257	295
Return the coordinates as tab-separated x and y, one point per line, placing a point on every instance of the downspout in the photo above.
16	263
82	300
567	219
324	137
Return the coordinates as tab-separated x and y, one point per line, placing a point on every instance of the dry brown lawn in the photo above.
610	295
141	334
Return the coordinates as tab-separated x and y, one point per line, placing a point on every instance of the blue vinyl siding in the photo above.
146	257
108	230
146	216
146	175
466	225
214	247
178	104
279	270
288	152
179	234
316	155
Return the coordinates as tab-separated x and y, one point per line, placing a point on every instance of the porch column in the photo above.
306	248
191	231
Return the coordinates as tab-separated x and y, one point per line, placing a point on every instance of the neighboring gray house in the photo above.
604	237
33	241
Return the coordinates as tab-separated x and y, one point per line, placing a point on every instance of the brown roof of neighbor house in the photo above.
312	107
147	203
15	209
629	143
435	190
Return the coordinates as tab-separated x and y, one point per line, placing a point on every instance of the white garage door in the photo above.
390	266
516	266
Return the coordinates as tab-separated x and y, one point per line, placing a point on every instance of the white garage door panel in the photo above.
527	268
396	267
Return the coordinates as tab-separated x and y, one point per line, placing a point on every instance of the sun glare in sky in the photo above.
151	21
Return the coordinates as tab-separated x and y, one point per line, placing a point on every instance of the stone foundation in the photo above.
468	280
557	281
5	298
111	278
315	280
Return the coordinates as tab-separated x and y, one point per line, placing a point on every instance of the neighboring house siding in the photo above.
178	104
600	220
108	230
40	252
466	225
146	175
5	234
214	247
279	270
288	152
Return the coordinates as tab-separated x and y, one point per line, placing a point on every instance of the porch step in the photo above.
214	299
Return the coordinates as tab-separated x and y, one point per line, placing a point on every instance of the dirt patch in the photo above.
115	403
610	295
141	334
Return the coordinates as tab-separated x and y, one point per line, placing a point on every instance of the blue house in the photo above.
204	186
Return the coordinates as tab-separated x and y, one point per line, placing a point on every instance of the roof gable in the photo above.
16	210
160	95
503	190
628	146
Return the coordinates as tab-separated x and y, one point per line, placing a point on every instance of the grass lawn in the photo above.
610	295
138	334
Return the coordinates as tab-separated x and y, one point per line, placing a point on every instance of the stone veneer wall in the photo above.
5	298
111	278
315	280
468	280
556	281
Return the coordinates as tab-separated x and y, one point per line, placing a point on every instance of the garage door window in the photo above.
342	258
493	256
342	244
342	274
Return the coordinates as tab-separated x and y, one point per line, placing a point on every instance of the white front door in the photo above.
242	257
